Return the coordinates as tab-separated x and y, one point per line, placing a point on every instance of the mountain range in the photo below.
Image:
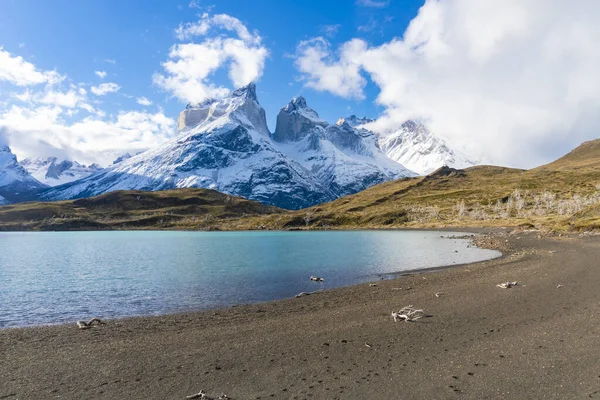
225	144
52	172
561	196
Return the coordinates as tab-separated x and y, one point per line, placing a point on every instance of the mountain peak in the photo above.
417	148
298	104
249	91
16	184
240	101
296	120
354	121
409	126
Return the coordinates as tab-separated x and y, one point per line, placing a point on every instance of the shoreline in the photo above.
474	235
478	341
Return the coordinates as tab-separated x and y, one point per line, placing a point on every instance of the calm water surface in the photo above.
48	278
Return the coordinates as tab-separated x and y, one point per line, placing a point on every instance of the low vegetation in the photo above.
561	196
202	209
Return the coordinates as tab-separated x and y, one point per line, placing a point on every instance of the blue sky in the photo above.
77	38
510	82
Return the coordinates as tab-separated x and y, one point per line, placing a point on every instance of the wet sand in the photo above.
477	342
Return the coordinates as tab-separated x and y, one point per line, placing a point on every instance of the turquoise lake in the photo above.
58	277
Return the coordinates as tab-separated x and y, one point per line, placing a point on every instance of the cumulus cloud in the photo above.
72	98
339	73
100	74
514	80
45	130
143	101
17	71
58	119
105	88
190	65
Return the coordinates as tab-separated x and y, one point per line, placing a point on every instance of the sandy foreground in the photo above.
535	341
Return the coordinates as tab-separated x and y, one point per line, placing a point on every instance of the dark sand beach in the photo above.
538	340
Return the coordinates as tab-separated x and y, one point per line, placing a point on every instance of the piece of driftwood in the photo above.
90	323
507	285
302	294
438	294
316	279
559	286
202	395
408	314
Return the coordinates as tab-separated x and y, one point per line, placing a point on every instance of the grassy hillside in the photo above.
563	195
172	209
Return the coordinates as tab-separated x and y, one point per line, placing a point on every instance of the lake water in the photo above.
55	277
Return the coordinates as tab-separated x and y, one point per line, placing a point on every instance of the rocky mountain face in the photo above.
355	121
343	158
420	150
226	145
52	172
16	184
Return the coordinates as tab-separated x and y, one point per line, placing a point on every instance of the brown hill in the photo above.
171	209
586	156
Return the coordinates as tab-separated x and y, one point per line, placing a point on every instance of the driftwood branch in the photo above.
302	294
202	395
90	323
507	285
408	314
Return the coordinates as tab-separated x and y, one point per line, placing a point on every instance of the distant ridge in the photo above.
585	156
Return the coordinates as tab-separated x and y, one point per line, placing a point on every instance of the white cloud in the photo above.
190	65
330	30
105	88
70	99
110	61
17	71
143	101
43	131
340	76
59	119
516	80
373	3
100	74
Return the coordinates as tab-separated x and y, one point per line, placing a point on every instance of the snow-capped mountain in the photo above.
225	145
16	184
228	149
419	150
343	158
53	172
122	158
354	121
